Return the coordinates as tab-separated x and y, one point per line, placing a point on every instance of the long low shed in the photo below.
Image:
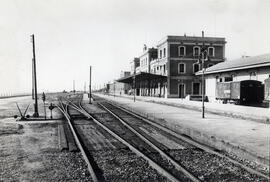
247	68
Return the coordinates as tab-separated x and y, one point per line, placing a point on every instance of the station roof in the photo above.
239	64
141	76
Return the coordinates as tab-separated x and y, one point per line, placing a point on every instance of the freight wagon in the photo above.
241	92
267	89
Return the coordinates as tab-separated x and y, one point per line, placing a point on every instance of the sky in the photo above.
71	35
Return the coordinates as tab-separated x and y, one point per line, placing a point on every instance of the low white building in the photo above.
246	68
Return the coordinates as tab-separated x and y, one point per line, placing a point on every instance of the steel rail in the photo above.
194	143
152	163
167	157
89	166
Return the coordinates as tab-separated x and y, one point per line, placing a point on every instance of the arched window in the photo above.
211	51
181	68
181	50
196	67
196	51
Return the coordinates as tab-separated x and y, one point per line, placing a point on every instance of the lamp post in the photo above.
204	55
203	85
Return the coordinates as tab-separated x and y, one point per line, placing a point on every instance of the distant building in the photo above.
124	74
119	88
245	68
135	65
169	70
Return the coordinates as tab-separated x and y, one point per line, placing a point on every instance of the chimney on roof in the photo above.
144	47
202	33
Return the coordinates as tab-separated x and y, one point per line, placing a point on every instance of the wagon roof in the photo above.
239	64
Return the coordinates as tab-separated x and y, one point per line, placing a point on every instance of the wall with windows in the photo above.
163	52
175	66
149	55
189	51
144	63
183	59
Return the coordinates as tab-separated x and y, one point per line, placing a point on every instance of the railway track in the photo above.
190	161
64	109
72	111
141	147
230	169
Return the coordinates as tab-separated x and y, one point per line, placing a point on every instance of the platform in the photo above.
245	138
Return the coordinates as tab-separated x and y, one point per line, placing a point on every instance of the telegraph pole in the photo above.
90	79
33	83
35	77
74	86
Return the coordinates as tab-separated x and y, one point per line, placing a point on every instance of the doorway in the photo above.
196	88
181	90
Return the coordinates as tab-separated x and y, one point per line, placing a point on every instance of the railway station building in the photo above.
168	70
246	68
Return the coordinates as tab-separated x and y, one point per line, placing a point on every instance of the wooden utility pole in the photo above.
90	79
74	86
33	83
35	78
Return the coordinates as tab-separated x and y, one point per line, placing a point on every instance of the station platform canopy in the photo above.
142	76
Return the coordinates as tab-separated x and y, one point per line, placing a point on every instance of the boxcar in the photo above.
243	92
267	89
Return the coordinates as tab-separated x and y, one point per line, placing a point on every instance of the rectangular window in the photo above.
211	51
181	68
164	52
160	53
228	79
164	68
196	68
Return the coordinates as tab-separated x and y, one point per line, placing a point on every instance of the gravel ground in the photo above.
114	159
246	162
124	165
211	168
29	150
